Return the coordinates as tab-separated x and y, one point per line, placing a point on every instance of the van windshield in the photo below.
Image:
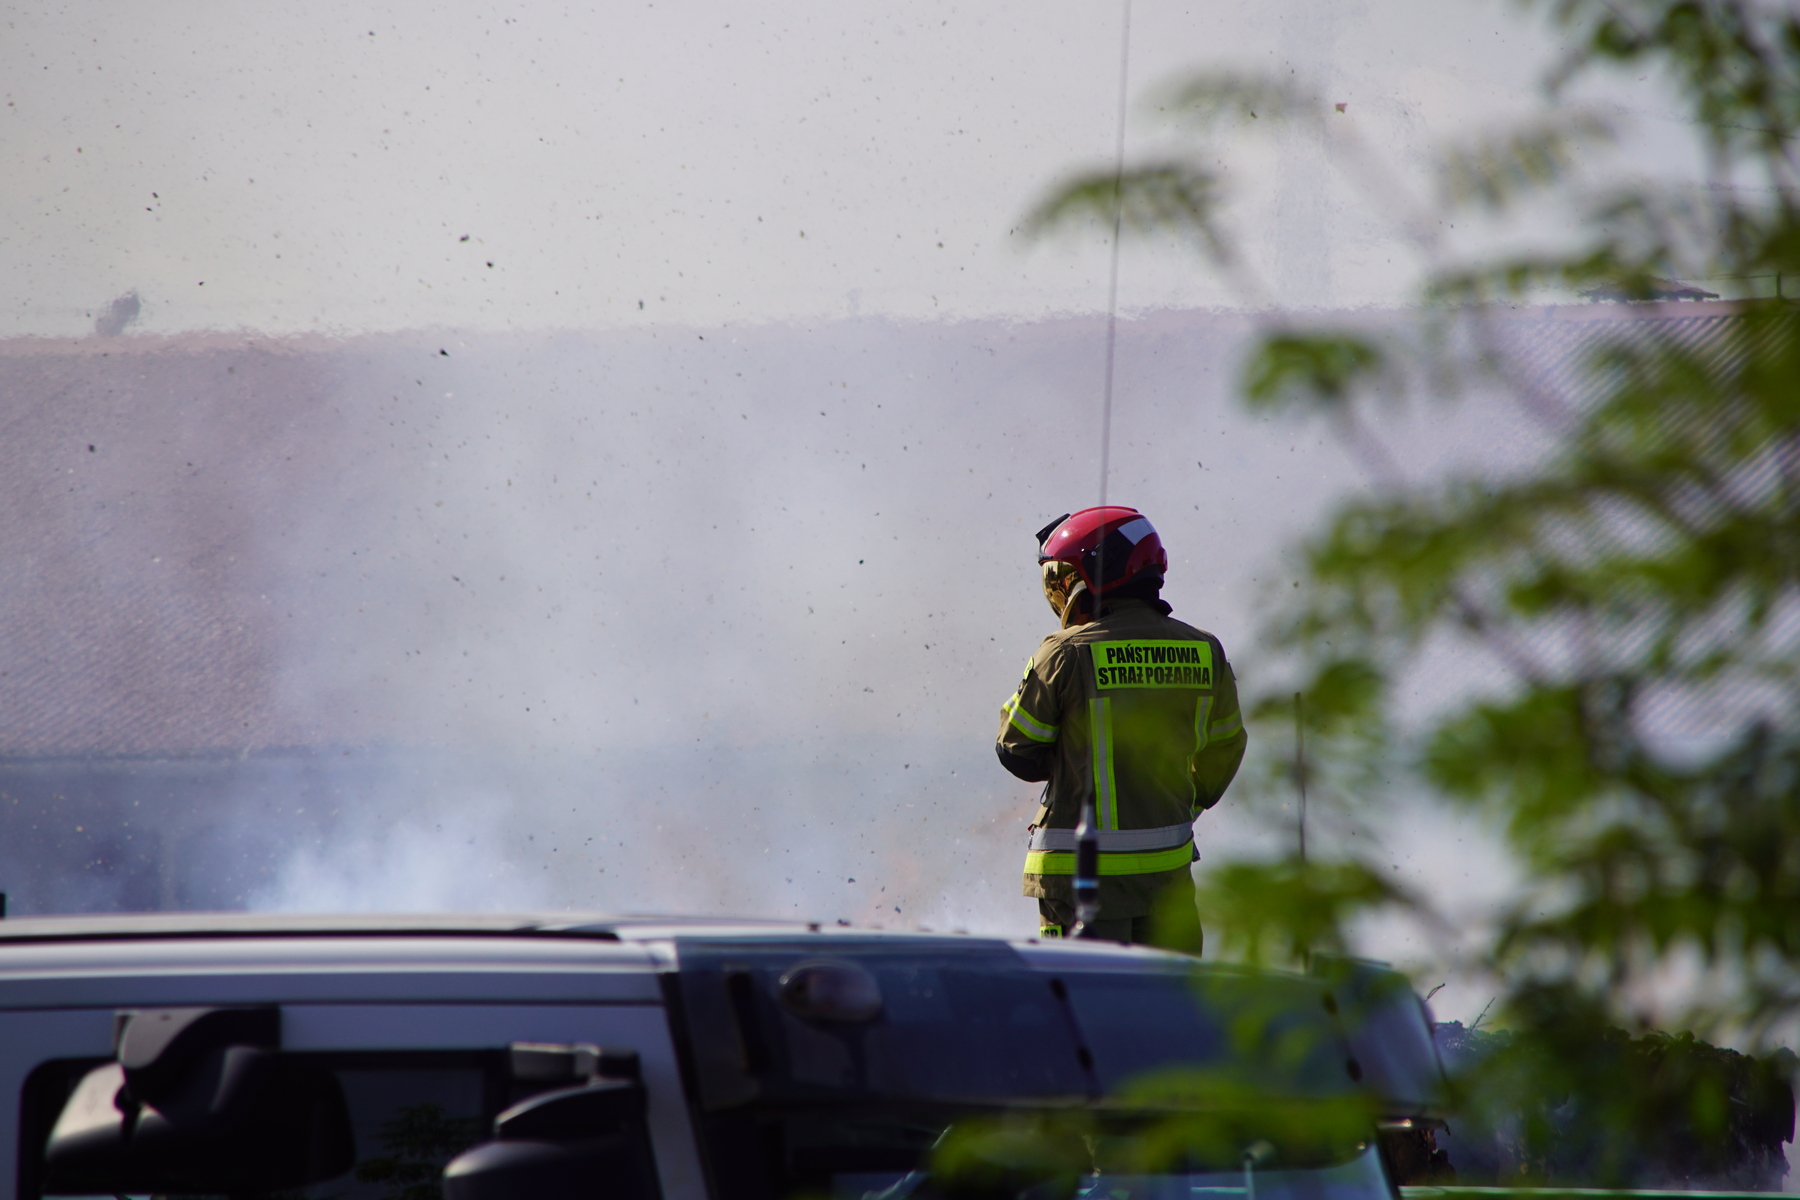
854	1104
958	1025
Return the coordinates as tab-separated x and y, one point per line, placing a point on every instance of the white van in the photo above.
407	1058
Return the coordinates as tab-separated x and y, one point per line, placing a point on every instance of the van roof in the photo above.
130	943
126	926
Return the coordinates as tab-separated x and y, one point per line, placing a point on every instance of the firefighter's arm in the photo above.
1026	744
1216	762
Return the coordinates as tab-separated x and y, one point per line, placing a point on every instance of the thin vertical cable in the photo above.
1112	287
1300	768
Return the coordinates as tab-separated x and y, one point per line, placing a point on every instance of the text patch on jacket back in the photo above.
1183	664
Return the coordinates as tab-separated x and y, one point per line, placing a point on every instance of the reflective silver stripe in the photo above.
1114	840
1202	708
1027	724
1228	727
1136	531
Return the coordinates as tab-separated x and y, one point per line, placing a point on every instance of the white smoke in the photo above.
705	620
440	859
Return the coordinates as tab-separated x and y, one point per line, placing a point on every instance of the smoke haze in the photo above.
704	620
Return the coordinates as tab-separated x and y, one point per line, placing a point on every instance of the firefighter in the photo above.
1128	708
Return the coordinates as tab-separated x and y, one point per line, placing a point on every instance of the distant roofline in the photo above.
313	341
1656	310
216	755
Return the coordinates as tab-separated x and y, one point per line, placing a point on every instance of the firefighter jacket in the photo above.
1139	712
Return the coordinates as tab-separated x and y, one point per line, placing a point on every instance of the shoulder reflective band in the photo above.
1184	664
1101	732
1228	726
1202	709
1025	723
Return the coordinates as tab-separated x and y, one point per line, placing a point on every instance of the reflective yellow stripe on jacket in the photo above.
1122	851
1027	724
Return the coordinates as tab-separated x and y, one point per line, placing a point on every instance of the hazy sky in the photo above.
365	167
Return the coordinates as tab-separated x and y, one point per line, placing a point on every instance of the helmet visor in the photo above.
1060	579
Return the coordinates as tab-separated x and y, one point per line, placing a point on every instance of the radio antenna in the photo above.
1300	769
1087	838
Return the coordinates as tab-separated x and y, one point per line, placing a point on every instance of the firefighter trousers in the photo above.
1175	923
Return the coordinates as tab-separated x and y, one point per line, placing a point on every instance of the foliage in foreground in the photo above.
1637	589
1663	1109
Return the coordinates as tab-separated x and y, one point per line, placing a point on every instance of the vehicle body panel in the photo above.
181	971
385	987
416	985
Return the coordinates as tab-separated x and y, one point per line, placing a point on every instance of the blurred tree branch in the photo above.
1639	586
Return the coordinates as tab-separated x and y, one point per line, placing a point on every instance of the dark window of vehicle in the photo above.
793	1104
963	1025
1274	1030
409	1115
1138	1023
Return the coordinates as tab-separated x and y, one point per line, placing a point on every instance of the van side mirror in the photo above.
581	1142
189	1108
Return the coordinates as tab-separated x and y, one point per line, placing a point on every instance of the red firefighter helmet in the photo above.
1105	548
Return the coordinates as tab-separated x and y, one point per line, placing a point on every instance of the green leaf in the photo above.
1167	198
1213	98
1493	172
1321	369
1282	912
